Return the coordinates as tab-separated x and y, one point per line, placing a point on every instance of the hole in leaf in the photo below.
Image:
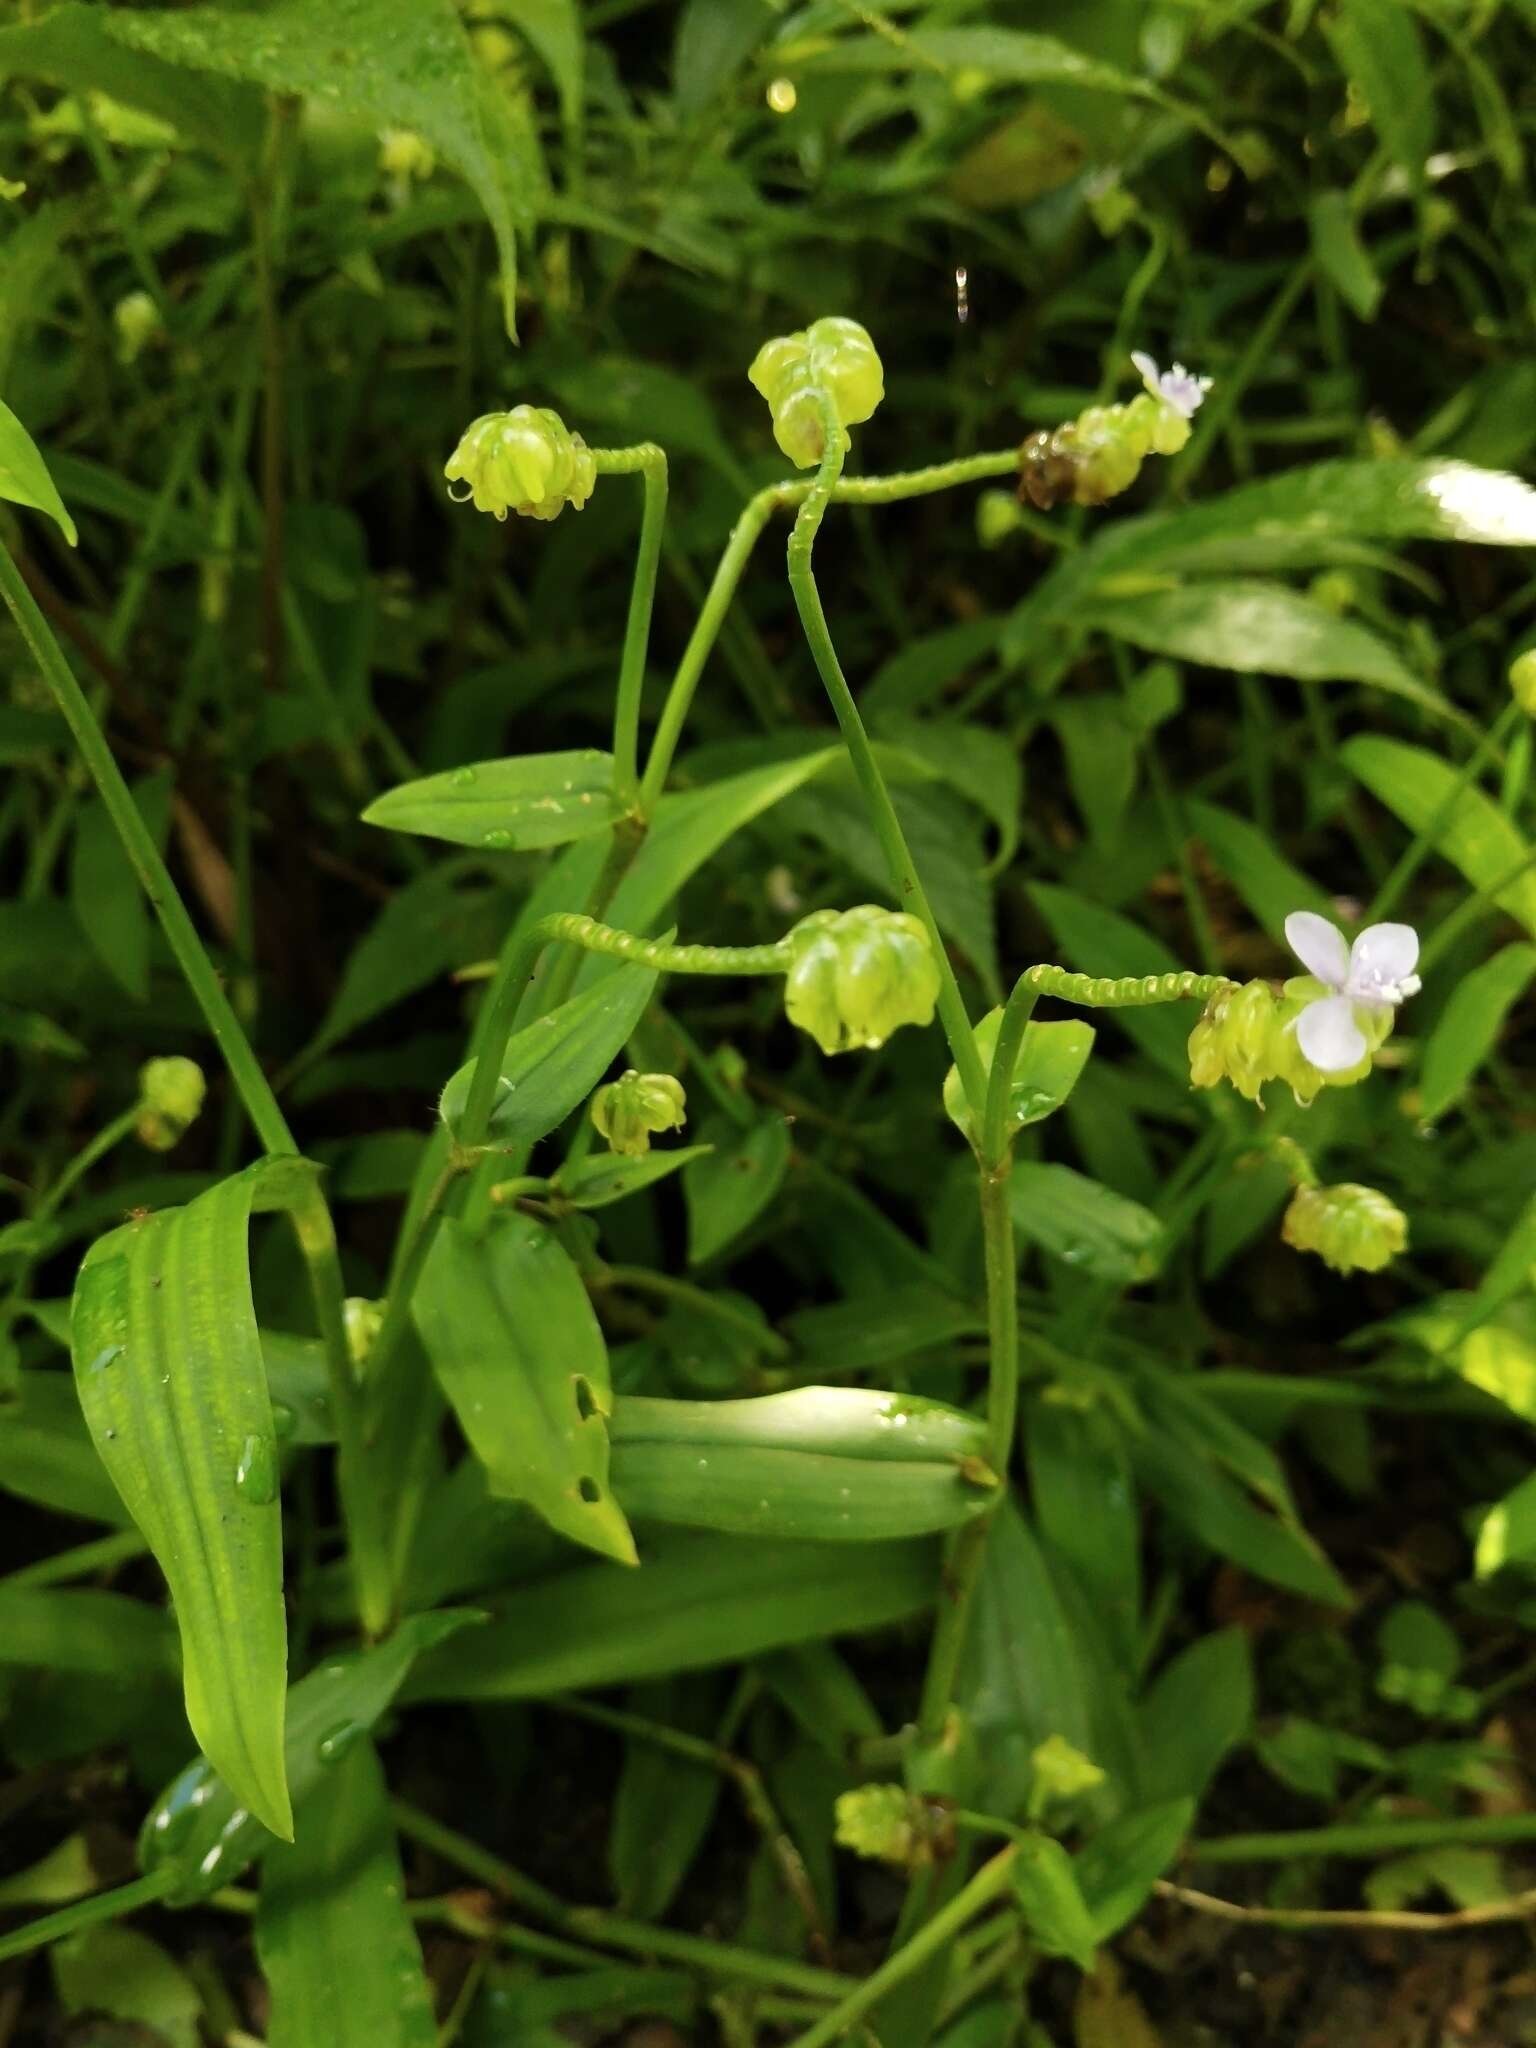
590	1492
586	1400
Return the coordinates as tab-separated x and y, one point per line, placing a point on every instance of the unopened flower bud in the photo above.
1522	680
171	1093
628	1110
858	975
403	156
1236	1039
362	1319
1351	1227
1099	454
892	1825
525	461
1061	1772
832	356
137	320
997	516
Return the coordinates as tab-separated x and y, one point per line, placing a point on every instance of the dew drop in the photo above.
284	1420
256	1473
497	837
335	1742
462	777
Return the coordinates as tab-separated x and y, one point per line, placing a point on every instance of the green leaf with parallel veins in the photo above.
1247	858
1118	1867
403	63
332	1932
555	1062
1470	1024
169	1371
1258	629
1344	258
1054	1909
517	1349
701	1600
24	477
732	1184
609	1177
1083	1223
533	801
205	1834
1466	826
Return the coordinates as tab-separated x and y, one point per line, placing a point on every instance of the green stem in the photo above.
651	464
127	1898
255	1091
989	1883
1365	1838
106	1138
364	1510
613	1930
882	812
868	490
574	928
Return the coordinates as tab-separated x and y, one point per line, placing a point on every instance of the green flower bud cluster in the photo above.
1060	1773
831	356
889	1824
627	1111
525	461
1351	1227
362	1319
171	1093
1428	1693
856	976
1522	680
1247	1035
1099	454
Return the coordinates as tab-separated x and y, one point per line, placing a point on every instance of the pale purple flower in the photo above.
1177	387
1376	973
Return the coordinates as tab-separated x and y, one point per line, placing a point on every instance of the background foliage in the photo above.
260	267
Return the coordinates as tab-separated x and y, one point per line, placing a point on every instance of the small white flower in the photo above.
1177	387
1376	973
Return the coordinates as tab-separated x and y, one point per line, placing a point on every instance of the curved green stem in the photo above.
574	928
909	889
245	1071
755	514
127	1898
931	1939
649	462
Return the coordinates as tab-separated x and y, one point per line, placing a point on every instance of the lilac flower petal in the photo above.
1146	368
1329	1036
1384	955
1319	946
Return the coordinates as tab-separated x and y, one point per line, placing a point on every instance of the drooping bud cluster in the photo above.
1247	1035
1522	681
627	1111
858	975
889	1824
171	1093
834	356
525	461
1099	454
1351	1227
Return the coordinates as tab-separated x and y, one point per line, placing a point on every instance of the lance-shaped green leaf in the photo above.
24	477
1460	822
508	1326
169	1370
1470	1024
730	1186
337	1945
201	1831
700	1601
533	801
838	1464
553	1063
594	1183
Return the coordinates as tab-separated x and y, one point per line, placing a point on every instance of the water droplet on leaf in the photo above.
256	1473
